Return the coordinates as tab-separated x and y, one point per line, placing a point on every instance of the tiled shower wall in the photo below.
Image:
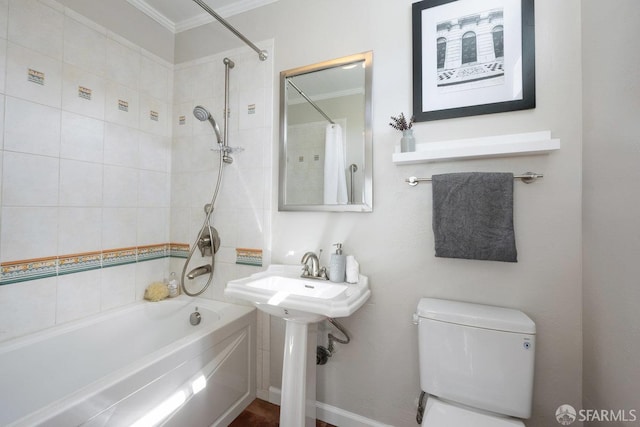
85	153
242	214
105	171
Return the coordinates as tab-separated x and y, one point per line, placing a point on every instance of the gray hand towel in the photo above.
473	216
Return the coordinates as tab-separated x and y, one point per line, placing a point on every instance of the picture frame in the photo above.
472	57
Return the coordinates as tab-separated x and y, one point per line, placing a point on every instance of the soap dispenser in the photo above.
337	265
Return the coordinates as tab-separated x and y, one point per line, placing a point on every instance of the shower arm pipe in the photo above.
313	104
262	54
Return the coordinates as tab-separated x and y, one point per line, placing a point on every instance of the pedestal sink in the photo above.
280	291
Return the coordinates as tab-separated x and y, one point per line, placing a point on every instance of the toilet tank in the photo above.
478	355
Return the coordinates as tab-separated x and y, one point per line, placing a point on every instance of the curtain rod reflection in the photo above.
313	104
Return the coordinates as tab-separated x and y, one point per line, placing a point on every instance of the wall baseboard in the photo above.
331	414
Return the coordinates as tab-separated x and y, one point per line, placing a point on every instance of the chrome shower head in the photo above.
203	114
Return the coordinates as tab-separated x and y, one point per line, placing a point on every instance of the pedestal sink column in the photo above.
297	406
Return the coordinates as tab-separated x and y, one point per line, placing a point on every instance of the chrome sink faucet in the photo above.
316	271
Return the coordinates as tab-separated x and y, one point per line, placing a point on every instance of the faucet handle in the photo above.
305	270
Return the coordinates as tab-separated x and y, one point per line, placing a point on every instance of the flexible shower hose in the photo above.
205	225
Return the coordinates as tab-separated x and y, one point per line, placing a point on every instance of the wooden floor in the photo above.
263	414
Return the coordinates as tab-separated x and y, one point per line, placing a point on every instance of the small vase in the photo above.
408	141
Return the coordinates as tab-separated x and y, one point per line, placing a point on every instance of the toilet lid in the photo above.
439	413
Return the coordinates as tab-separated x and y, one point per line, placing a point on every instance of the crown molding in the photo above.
203	18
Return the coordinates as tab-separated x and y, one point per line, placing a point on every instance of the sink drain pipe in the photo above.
323	354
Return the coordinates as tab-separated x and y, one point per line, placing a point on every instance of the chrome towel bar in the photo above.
527	178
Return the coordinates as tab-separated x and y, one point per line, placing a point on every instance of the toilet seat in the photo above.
439	413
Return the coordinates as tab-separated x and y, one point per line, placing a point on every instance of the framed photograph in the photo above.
472	57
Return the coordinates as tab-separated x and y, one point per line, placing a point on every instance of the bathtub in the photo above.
141	365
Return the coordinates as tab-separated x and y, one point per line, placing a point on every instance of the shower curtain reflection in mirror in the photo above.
325	129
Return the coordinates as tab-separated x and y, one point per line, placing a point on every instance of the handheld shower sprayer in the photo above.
203	114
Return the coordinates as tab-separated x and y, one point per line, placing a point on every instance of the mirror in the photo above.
325	136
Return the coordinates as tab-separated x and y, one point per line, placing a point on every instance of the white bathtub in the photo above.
133	365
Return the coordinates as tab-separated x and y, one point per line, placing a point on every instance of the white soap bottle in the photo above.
337	265
174	288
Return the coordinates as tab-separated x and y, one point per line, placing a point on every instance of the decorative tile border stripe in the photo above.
179	250
33	269
248	256
121	256
68	264
146	253
21	271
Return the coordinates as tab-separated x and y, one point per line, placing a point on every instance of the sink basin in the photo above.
280	291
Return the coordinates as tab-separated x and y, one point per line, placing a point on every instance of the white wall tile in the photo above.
208	80
180	157
154	79
29	180
37	26
179	232
180	128
19	61
4	12
255	145
1	169
78	295
154	189
80	183
120	187
79	230
82	138
89	102
254	117
122	105
27	233
183	85
2	103
120	145
155	152
226	222
201	188
154	116
84	47
153	226
3	64
31	128
251	183
119	228
118	286
123	64
250	226
27	307
180	189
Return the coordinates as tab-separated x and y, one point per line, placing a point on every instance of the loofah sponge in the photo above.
156	291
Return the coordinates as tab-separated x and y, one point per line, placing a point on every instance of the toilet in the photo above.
476	364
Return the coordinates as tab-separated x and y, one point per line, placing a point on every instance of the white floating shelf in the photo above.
475	148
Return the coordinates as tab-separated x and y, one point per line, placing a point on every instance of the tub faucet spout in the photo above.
199	271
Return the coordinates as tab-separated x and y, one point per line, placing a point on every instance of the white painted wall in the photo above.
611	205
377	374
